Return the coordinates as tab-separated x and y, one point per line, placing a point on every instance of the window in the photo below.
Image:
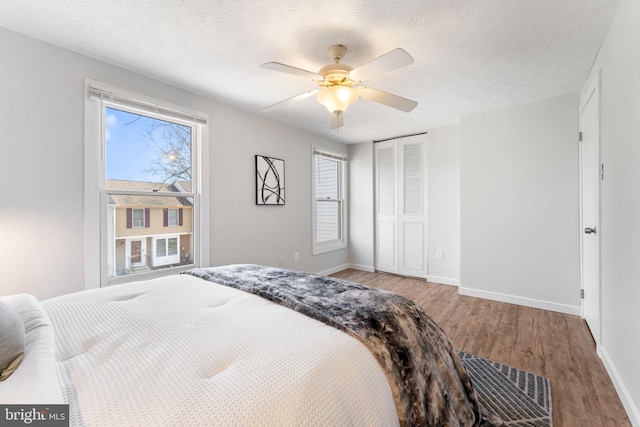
166	247
165	252
172	217
148	163
172	247
138	218
329	202
161	247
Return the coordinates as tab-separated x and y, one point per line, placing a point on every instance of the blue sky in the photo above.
137	145
127	146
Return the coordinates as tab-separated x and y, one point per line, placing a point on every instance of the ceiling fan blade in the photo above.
385	98
389	61
292	70
289	101
336	120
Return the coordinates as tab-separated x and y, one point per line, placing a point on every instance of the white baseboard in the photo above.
367	268
443	280
632	410
527	302
333	270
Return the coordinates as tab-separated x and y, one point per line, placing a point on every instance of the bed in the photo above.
237	345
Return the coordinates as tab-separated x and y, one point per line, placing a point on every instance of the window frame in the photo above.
95	191
342	200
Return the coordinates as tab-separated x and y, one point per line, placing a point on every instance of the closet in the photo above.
401	220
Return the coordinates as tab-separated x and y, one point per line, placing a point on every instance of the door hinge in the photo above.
581	293
602	172
580	136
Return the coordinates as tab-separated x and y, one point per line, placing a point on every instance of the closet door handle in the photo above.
590	230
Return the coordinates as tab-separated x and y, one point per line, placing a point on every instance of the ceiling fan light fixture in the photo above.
340	83
337	98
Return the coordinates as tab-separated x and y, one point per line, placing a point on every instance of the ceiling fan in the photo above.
340	84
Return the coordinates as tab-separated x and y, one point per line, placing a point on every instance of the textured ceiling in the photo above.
470	55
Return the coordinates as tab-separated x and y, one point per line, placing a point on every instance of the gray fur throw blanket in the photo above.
430	385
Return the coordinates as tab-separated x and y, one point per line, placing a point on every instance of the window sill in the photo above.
324	247
147	275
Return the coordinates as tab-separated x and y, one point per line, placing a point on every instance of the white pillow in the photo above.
36	379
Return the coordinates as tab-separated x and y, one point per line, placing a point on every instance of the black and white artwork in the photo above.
269	181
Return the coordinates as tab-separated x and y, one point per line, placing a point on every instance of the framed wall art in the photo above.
269	181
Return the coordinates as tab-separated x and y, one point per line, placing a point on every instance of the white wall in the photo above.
245	233
41	170
361	207
520	205
619	63
443	193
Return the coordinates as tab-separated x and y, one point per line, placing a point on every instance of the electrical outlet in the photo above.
296	256
439	255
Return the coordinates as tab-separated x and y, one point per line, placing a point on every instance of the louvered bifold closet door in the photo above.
412	256
386	161
401	206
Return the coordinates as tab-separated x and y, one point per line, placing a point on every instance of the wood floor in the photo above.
557	346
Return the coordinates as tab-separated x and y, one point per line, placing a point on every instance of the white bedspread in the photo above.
183	351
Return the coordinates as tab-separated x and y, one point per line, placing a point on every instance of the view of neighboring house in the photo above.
148	232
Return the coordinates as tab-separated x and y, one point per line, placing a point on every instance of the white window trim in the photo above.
331	245
95	227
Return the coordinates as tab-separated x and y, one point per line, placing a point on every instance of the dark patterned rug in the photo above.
520	398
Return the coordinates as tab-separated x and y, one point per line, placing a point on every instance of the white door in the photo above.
412	256
386	155
400	206
590	176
